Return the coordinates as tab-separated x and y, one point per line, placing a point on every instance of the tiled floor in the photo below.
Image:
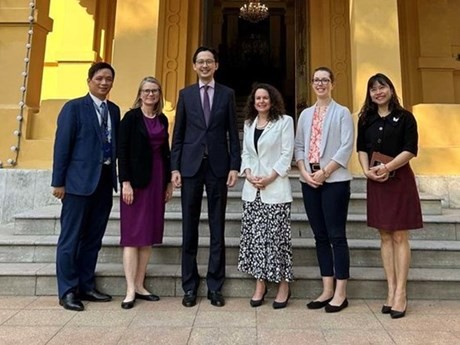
40	320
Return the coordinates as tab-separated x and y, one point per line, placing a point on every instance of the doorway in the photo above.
271	51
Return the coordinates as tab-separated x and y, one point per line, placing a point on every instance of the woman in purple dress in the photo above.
144	173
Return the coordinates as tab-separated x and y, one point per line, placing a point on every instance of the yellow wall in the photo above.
135	48
158	37
375	48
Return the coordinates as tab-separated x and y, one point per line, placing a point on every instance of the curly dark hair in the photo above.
370	107
277	103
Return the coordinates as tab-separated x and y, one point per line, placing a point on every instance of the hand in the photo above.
169	192
378	173
59	192
176	179
309	179
264	181
232	178
319	177
127	193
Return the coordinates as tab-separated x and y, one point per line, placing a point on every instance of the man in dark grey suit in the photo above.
84	175
205	152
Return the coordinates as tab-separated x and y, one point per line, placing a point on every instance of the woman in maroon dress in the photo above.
144	173
387	141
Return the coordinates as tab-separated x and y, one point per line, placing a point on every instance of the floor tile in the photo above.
7	314
357	337
70	335
222	319
26	335
16	302
102	318
223	336
41	318
423	337
156	335
290	336
163	319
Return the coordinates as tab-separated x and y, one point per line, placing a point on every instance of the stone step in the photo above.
45	221
431	205
363	253
164	280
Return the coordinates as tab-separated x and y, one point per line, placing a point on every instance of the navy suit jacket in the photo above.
191	136
77	161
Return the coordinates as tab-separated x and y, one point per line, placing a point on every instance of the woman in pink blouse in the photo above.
323	146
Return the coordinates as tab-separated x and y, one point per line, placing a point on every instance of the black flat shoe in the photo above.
71	302
258	302
128	305
336	308
216	298
386	309
318	304
281	305
150	297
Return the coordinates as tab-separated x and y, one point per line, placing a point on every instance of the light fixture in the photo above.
253	11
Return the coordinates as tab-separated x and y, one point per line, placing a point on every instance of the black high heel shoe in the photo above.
281	305
258	302
386	309
396	314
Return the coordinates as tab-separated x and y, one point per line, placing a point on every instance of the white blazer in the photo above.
275	151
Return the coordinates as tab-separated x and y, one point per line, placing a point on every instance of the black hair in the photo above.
205	49
369	106
277	103
97	66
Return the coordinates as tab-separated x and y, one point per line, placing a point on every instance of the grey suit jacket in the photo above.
336	140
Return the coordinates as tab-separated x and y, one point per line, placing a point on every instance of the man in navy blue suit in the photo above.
84	174
205	152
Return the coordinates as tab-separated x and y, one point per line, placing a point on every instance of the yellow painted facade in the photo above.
415	42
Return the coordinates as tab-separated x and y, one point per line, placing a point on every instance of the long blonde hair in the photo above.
138	102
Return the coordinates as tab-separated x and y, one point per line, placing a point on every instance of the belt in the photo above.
314	167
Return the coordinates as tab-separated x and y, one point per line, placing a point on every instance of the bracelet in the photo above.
386	168
325	173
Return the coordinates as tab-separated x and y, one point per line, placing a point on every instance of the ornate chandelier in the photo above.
253	11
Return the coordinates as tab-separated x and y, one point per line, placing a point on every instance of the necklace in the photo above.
261	126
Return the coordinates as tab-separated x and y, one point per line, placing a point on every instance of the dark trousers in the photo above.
327	208
192	195
83	223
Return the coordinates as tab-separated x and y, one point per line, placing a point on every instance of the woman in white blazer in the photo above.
268	145
323	147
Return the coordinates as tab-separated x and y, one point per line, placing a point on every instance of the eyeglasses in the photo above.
321	81
149	91
202	62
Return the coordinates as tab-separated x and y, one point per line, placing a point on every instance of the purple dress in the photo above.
142	222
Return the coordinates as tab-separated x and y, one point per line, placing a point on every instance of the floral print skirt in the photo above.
265	244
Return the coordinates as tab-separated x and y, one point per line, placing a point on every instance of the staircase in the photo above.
27	252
